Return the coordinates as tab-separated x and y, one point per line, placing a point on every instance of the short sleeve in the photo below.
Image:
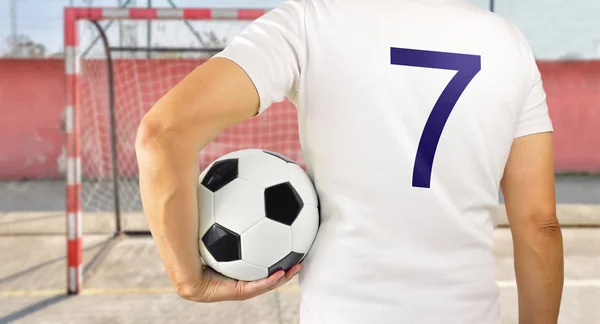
271	51
534	116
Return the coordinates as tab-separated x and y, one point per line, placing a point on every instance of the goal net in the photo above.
119	62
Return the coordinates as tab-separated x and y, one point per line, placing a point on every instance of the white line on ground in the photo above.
589	283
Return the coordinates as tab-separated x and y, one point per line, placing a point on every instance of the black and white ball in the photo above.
258	214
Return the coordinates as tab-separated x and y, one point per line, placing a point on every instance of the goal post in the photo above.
109	89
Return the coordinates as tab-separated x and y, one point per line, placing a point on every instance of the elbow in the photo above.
548	226
542	222
190	292
545	221
185	292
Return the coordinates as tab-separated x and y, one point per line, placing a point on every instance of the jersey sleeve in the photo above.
271	51
534	116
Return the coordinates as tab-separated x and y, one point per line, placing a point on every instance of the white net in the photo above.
140	78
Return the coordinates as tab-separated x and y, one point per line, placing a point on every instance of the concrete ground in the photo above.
130	285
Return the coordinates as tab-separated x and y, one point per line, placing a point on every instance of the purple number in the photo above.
467	67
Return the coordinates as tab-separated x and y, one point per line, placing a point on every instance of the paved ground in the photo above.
130	285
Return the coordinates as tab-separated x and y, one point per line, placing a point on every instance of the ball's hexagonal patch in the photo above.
282	203
286	263
304	229
207	257
242	270
266	243
263	169
303	185
222	243
239	205
205	209
285	158
220	174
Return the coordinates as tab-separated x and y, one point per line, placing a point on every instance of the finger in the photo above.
254	288
293	271
288	276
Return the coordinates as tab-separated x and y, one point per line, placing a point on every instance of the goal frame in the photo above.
72	61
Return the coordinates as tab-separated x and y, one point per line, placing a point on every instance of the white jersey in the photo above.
407	112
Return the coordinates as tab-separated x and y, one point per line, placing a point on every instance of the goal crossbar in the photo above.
72	15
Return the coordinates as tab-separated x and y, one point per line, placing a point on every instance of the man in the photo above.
412	114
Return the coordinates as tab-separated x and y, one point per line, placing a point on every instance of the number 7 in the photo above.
467	67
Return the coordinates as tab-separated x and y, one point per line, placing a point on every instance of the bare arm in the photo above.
528	188
213	97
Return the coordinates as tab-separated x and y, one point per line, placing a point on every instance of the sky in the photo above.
42	19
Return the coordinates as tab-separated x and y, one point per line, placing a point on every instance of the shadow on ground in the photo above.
31	309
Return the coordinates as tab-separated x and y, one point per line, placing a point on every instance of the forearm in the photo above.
540	272
168	173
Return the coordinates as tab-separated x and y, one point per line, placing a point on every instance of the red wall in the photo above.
573	90
31	103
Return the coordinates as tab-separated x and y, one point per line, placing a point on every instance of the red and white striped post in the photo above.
89	13
73	148
73	112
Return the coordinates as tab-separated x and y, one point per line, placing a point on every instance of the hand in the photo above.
214	287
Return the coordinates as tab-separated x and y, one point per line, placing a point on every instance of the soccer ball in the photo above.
258	214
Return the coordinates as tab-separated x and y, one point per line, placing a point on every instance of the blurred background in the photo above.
124	281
